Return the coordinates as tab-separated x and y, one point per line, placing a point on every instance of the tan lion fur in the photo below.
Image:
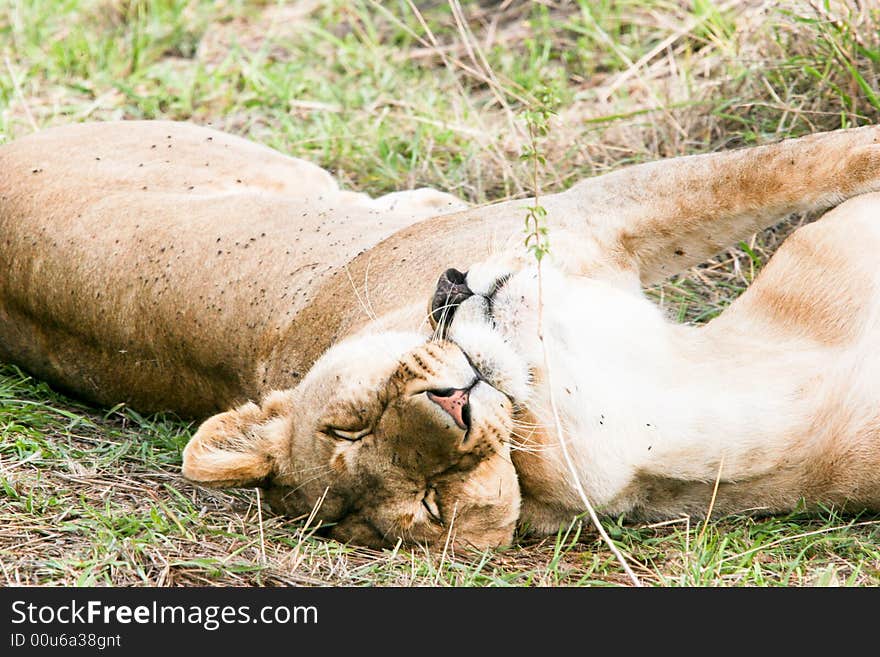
171	266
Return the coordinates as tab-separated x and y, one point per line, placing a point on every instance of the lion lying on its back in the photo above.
175	267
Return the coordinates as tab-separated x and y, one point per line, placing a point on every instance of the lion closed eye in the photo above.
412	443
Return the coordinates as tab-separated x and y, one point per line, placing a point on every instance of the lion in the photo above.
174	267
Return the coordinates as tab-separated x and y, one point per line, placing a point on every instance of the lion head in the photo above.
390	436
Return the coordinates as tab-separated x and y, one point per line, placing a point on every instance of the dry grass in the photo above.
391	96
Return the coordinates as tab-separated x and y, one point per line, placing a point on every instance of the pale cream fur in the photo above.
653	412
175	267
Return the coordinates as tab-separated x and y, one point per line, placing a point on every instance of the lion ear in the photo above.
242	447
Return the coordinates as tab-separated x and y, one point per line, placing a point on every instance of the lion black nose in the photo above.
451	290
455	402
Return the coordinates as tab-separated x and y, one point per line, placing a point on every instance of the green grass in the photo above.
388	98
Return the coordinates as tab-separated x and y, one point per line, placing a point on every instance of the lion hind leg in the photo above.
663	217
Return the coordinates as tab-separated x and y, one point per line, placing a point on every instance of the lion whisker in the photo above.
439	330
370	315
328	470
529	425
